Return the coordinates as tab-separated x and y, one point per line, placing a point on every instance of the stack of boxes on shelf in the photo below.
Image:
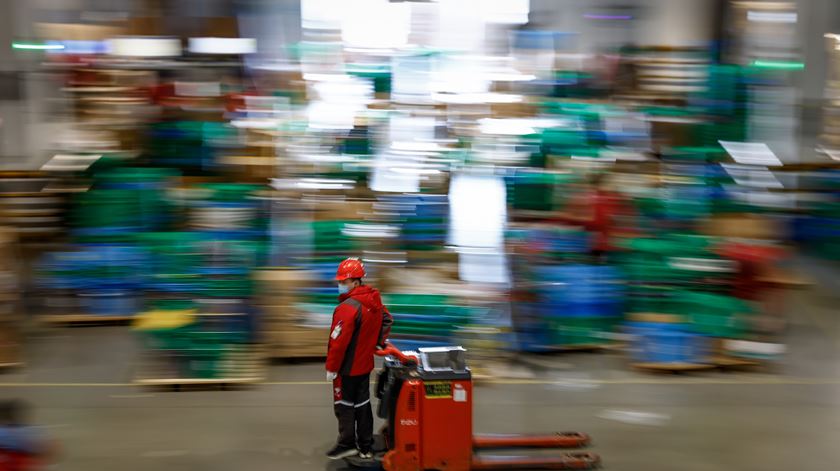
287	331
671	277
310	234
114	102
426	320
690	293
10	334
817	227
817	219
94	279
30	207
102	273
561	299
830	137
203	277
670	71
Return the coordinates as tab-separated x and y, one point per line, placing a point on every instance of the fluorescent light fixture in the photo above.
139	46
37	46
779	65
222	45
78	47
771	17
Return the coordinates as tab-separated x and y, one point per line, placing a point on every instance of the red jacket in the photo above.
359	324
13	461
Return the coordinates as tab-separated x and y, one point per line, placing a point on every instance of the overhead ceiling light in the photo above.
139	46
37	46
771	17
222	45
779	65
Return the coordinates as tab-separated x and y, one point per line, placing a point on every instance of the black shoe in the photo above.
338	452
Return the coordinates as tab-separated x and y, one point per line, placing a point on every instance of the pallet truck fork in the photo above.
425	398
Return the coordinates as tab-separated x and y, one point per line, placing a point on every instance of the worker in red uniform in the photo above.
360	323
600	210
23	447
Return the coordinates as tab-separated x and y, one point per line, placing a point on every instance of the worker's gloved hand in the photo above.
331	376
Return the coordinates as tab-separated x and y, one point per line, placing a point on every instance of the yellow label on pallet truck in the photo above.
438	390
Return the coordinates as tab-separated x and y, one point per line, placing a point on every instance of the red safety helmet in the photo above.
350	268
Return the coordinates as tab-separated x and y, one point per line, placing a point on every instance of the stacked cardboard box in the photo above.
286	330
28	207
830	137
9	325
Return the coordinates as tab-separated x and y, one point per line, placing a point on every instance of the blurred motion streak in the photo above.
517	176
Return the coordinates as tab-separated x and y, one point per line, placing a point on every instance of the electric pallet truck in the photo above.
425	398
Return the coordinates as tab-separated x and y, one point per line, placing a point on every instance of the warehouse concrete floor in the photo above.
784	419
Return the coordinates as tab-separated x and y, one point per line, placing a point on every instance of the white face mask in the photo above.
343	289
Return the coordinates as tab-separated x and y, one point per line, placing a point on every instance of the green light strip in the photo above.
784	65
36	46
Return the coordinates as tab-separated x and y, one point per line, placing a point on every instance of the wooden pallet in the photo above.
248	367
71	320
728	363
586	347
488	372
295	358
292	352
482	375
673	367
583	347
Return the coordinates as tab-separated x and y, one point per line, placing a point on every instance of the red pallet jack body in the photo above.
428	412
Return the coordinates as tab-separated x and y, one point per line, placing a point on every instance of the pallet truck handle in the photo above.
393	351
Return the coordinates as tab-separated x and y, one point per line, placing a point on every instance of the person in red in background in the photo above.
23	447
360	324
599	209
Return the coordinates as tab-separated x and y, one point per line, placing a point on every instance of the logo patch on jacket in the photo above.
336	331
